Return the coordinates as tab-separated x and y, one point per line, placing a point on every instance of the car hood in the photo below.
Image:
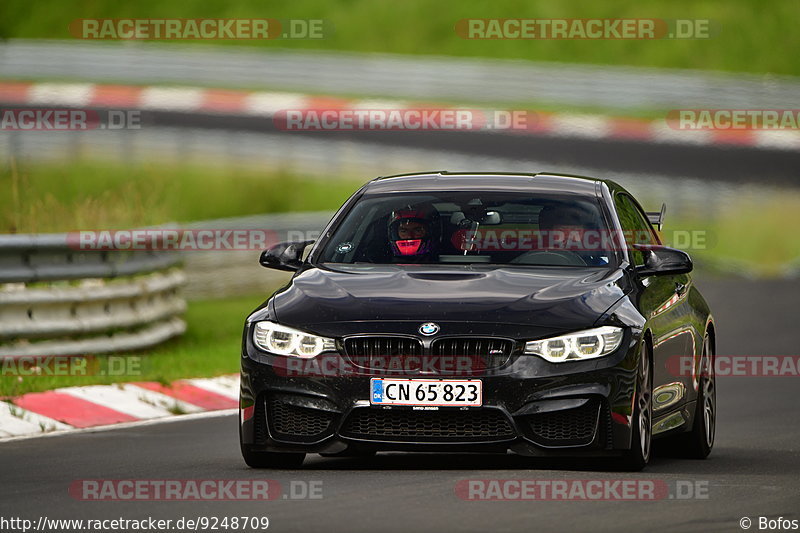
330	301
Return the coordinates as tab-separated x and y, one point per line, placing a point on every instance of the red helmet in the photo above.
411	232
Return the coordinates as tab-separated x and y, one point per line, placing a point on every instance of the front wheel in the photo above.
638	456
697	443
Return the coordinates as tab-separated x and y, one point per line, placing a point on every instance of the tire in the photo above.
638	456
272	459
276	460
697	443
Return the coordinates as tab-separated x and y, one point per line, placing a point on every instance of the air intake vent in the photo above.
571	427
297	424
428	426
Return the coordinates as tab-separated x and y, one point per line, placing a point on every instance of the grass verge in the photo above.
758	238
89	195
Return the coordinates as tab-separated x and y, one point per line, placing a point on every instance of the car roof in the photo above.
484	181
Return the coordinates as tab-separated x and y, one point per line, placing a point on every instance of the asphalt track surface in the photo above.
753	470
721	163
736	164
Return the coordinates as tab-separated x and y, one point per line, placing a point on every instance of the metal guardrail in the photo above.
396	76
58	300
47	257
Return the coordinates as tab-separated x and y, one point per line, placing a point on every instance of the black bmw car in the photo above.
536	313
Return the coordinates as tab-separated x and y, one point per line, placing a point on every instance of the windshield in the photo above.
496	228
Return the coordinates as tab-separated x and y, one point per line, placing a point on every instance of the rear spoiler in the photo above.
656	218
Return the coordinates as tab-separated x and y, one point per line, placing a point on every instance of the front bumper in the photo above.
530	406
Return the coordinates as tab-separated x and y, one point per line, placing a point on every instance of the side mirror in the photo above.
663	260
284	256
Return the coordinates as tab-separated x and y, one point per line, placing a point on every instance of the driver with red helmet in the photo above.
412	233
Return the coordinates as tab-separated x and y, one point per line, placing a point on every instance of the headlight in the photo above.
586	344
281	340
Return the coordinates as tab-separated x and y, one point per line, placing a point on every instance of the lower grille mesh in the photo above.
287	420
434	426
565	428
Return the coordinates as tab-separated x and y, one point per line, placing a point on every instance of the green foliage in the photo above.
750	35
87	195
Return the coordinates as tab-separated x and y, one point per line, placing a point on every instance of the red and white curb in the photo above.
267	104
72	408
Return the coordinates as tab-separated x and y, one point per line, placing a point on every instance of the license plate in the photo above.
438	392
